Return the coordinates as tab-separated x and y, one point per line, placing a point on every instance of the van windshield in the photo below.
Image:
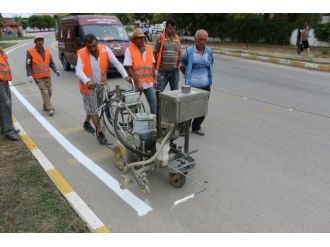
107	32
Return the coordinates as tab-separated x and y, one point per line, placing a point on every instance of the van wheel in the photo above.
65	64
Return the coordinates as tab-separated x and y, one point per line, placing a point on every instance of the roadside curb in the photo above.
276	60
79	206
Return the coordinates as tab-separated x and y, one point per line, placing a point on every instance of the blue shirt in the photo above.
201	66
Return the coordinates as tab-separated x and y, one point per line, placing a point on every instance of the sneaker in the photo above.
50	112
199	132
101	138
88	127
12	136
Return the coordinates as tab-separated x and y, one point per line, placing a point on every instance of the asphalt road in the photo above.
265	158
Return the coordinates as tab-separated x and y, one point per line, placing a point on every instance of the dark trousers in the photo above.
6	122
197	122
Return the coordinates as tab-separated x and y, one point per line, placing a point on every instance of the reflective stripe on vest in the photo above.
142	69
86	61
160	52
5	73
40	67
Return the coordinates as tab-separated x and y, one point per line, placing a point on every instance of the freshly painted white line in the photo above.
44	162
136	203
84	211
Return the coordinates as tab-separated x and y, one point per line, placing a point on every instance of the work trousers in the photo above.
6	121
45	86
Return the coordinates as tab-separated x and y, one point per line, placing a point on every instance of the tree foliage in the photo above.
322	32
41	22
236	27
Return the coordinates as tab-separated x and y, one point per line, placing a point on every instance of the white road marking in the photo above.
136	203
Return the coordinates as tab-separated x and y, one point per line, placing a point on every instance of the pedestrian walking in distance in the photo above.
38	62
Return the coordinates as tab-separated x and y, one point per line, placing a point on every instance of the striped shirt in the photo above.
169	54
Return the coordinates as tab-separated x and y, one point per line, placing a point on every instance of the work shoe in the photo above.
199	132
50	112
12	136
88	127
101	138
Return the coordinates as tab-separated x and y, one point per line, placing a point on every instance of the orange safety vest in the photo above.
162	41
104	63
40	67
142	69
5	73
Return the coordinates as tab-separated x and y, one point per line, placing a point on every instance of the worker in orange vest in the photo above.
6	122
140	64
38	62
167	52
92	67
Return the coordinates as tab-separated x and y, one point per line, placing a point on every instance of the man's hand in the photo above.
58	73
30	78
91	85
129	79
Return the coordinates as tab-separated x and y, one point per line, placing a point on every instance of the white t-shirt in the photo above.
96	68
128	62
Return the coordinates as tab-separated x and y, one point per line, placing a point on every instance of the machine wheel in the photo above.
177	179
119	153
65	64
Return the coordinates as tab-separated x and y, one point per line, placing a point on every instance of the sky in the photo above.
11	15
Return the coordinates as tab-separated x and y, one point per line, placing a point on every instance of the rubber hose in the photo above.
145	162
119	137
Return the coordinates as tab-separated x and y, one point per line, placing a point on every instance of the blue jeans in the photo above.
150	94
165	76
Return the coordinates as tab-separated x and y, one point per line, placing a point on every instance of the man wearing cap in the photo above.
38	62
6	121
139	62
92	67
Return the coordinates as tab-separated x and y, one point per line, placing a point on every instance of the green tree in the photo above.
49	22
41	22
1	23
322	32
34	21
144	17
124	18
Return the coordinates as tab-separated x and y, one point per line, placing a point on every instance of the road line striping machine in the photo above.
146	141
